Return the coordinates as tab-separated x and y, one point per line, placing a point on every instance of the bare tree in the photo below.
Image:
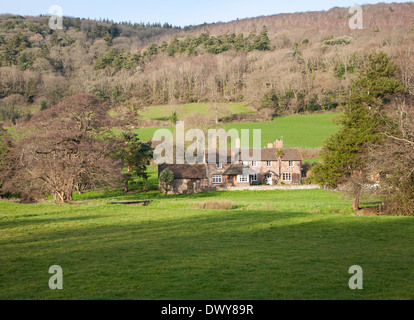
394	160
65	146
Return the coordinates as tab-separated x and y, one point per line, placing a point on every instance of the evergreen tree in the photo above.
136	156
344	154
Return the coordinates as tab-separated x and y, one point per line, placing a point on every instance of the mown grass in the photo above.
274	245
304	131
301	131
164	112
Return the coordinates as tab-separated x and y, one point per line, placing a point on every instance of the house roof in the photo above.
263	155
272	155
238	169
185	171
272	172
216	155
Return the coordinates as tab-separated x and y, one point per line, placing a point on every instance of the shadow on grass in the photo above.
223	255
21	221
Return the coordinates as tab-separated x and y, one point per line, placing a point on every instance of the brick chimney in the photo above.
270	145
279	144
238	143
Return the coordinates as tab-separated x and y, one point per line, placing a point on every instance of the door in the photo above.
269	179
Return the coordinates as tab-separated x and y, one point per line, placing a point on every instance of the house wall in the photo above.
262	169
212	170
199	185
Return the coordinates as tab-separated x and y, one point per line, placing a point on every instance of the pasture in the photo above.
272	245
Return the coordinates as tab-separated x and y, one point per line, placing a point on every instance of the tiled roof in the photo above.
218	154
272	155
185	171
238	169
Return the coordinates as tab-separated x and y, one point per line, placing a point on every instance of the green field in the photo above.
302	131
305	131
273	245
270	245
165	111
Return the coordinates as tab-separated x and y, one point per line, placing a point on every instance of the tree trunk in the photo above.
355	200
126	188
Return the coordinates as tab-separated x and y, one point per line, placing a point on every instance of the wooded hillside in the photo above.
291	63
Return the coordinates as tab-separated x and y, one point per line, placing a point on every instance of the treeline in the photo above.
189	45
206	43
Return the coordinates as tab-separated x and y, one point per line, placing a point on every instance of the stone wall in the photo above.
189	185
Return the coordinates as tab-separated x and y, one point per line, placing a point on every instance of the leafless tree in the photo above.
394	160
65	146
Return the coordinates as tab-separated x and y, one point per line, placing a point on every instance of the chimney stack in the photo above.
270	145
238	143
279	144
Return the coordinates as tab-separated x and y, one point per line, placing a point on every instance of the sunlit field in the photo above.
271	245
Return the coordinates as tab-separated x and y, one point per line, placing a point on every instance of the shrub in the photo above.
339	41
43	105
166	179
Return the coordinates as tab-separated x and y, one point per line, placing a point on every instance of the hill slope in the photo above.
290	62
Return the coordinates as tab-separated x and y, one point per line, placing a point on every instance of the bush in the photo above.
43	105
166	179
339	41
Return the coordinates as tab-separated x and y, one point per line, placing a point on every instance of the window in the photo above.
243	179
219	166
254	177
291	163
269	163
245	163
254	164
287	176
217	179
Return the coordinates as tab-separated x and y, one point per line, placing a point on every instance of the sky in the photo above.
176	12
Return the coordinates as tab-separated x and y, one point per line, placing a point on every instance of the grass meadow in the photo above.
269	245
290	244
301	131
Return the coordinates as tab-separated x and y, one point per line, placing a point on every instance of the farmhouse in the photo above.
274	165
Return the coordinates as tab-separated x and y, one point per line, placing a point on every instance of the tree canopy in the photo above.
344	154
65	145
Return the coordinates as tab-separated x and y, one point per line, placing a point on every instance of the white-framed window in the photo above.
254	179
287	176
269	163
217	179
219	166
243	179
254	164
291	164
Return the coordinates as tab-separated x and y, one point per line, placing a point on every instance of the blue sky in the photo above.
176	12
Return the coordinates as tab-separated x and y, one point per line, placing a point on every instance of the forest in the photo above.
289	63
